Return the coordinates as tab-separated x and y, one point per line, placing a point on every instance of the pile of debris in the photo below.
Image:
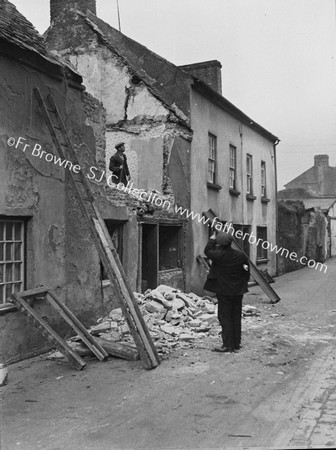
173	318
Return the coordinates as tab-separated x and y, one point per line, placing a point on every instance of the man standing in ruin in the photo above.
118	165
228	278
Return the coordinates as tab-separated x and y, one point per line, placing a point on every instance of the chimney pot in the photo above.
321	160
209	72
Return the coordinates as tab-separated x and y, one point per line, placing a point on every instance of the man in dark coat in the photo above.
118	165
228	278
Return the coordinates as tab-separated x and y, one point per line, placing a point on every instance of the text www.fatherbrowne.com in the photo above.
140	194
252	239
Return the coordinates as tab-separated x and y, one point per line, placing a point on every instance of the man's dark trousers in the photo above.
229	316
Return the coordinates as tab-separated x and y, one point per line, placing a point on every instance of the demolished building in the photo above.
227	164
157	140
43	238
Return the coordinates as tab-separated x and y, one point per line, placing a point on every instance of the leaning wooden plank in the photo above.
269	291
147	346
134	303
119	349
39	322
37	292
76	325
123	304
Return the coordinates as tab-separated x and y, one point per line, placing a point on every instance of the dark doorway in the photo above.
149	251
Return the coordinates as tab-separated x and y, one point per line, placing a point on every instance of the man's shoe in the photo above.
223	350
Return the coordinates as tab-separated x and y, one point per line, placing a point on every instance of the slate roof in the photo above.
324	203
113	37
17	30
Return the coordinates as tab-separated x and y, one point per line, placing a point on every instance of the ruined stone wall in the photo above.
304	232
59	252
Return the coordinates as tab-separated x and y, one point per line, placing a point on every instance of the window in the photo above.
11	257
263	179
233	164
243	237
212	160
249	189
262	248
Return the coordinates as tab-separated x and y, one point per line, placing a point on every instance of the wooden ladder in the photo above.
20	299
100	235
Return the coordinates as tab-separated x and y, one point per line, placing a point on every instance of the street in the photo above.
278	391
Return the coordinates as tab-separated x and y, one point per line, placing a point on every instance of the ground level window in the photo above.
262	243
11	257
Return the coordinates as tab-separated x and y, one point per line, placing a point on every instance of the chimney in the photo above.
209	72
321	160
59	7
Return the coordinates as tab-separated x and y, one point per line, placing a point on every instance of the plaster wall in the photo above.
209	118
133	114
60	254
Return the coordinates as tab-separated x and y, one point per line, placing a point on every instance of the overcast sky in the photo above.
278	60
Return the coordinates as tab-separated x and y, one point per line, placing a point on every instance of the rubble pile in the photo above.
173	318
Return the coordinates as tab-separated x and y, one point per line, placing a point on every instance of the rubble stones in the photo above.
249	310
174	319
154	307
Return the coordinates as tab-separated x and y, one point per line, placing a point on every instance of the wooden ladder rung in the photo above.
41	323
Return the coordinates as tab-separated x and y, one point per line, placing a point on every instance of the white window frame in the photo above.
249	179
212	159
262	253
263	179
233	166
12	257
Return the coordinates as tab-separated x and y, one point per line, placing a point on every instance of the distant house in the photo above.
318	181
43	238
316	188
215	157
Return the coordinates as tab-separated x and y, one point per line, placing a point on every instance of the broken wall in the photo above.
304	232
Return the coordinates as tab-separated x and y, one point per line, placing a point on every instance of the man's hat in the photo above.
119	145
224	239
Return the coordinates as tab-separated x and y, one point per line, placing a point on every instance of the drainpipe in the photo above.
276	205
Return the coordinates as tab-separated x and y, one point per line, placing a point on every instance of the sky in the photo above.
278	59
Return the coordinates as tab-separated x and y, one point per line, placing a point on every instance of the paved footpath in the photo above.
315	399
317	427
315	394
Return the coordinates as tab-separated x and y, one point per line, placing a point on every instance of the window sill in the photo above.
7	308
214	186
262	261
234	192
250	197
265	200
